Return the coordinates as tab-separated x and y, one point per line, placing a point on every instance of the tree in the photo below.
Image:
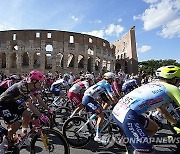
150	66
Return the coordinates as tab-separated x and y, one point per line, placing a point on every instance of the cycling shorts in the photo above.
76	99
91	104
134	129
11	111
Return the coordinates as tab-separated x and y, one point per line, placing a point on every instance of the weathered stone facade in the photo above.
49	50
126	54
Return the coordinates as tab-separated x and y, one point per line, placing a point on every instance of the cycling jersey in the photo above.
74	92
101	87
11	101
145	98
4	85
77	87
56	87
129	85
93	93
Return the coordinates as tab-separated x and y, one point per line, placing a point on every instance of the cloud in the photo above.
98	21
111	30
144	48
163	14
120	19
96	33
171	29
114	30
74	18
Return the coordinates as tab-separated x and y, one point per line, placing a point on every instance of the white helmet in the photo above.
109	75
89	76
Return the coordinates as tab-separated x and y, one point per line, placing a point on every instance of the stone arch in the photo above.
80	61
13	60
70	62
108	65
59	60
49	48
3	60
90	51
37	60
89	64
25	59
48	61
97	64
15	47
104	65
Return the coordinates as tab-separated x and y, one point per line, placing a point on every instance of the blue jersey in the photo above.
145	98
101	87
129	85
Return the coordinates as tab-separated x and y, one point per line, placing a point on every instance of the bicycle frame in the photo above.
90	119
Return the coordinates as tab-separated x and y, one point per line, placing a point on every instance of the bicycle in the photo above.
85	130
42	140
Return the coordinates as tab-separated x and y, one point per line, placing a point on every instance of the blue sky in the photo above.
157	21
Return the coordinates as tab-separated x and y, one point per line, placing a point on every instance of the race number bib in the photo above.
122	107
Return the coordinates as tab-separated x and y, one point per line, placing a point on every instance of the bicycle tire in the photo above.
62	114
70	128
57	139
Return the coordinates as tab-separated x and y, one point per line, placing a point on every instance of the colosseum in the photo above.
50	50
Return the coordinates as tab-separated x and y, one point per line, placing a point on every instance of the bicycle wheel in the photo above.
56	143
62	114
74	138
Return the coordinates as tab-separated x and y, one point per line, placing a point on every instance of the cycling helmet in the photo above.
109	75
89	76
36	75
13	77
168	72
66	75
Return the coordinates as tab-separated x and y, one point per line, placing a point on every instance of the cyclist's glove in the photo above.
44	119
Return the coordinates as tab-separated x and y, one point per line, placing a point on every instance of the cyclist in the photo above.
100	91
57	87
127	113
116	88
76	92
129	85
15	99
8	83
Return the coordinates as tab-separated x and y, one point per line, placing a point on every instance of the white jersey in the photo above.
77	87
101	87
145	98
60	83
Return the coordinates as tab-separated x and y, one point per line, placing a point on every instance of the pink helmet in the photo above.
36	75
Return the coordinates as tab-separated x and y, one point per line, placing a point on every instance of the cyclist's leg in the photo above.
26	116
135	133
94	107
150	125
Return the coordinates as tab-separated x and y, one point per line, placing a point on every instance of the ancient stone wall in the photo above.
49	50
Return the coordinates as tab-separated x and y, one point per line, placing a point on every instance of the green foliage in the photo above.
150	66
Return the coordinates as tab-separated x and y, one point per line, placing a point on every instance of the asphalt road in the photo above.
95	148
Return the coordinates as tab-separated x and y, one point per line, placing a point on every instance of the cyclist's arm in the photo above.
41	102
162	109
30	105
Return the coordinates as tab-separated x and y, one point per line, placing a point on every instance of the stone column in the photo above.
31	60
